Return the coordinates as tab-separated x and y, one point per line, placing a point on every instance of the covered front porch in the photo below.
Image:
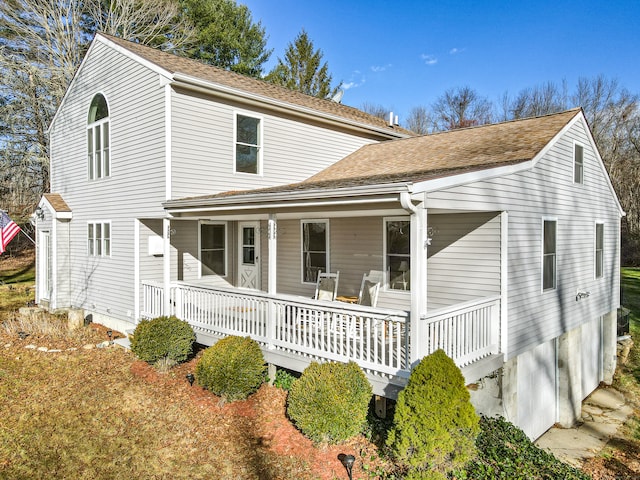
250	269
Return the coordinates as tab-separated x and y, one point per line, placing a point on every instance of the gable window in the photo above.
99	239
549	249
98	157
578	163
315	249
398	253
213	242
599	258
248	144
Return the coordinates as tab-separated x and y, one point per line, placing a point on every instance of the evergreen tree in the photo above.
302	69
226	36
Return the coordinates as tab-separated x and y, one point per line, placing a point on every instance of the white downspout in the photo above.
417	340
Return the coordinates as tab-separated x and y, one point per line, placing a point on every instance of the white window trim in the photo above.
327	253
102	223
91	126
555	267
595	248
573	160
386	287
226	248
260	141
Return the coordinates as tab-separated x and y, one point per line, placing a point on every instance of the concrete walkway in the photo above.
603	413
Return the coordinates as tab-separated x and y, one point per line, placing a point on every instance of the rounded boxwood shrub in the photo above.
434	424
233	368
329	402
163	339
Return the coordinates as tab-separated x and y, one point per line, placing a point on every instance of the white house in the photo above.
180	188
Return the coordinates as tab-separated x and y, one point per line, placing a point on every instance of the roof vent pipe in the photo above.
391	119
395	121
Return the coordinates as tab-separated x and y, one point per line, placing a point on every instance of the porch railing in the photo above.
467	332
376	339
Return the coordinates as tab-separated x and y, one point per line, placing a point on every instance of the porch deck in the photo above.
294	331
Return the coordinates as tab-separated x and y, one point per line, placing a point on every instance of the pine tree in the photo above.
302	69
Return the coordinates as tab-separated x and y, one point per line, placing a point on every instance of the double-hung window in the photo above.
578	163
99	239
213	243
398	253
98	151
599	255
549	254
315	249
248	144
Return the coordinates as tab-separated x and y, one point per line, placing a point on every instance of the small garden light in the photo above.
347	461
190	378
22	335
109	334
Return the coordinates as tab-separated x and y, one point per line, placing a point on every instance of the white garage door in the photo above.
537	391
591	356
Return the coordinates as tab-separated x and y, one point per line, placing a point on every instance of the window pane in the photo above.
314	249
399	272
98	241
398	238
248	236
549	237
98	109
213	262
599	263
212	236
549	272
106	235
578	164
90	239
105	149
247	130
249	255
246	159
599	236
315	237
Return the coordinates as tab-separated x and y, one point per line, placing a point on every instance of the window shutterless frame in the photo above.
598	267
549	259
247	143
578	163
396	234
314	249
98	139
99	239
212	248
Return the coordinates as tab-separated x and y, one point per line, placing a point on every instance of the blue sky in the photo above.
401	54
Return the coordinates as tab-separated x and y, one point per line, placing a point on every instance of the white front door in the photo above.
249	255
44	270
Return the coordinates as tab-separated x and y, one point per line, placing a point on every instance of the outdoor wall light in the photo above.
40	213
347	461
190	378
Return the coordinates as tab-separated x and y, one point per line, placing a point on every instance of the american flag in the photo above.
8	230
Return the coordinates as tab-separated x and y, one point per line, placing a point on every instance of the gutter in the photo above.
256	100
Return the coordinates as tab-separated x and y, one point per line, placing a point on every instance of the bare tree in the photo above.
539	100
419	120
461	107
376	110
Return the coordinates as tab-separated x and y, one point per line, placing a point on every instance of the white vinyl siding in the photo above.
545	190
315	247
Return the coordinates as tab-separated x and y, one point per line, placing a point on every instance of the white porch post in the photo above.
136	270
166	265
419	241
272	276
504	280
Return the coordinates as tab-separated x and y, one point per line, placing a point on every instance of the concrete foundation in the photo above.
609	340
569	377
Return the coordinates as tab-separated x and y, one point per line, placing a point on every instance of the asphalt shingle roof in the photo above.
175	64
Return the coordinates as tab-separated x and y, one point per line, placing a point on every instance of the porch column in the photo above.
419	241
504	281
272	276
166	265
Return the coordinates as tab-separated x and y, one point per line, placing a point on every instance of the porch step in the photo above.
123	342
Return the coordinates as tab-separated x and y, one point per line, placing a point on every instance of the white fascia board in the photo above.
198	84
307	197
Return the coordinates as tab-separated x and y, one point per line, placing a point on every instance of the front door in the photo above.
249	255
44	273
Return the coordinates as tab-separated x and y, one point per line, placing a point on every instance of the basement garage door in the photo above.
591	356
537	389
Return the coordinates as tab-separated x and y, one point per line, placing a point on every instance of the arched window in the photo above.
98	158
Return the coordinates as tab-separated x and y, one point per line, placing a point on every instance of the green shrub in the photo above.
233	368
163	340
329	401
434	424
504	451
284	379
